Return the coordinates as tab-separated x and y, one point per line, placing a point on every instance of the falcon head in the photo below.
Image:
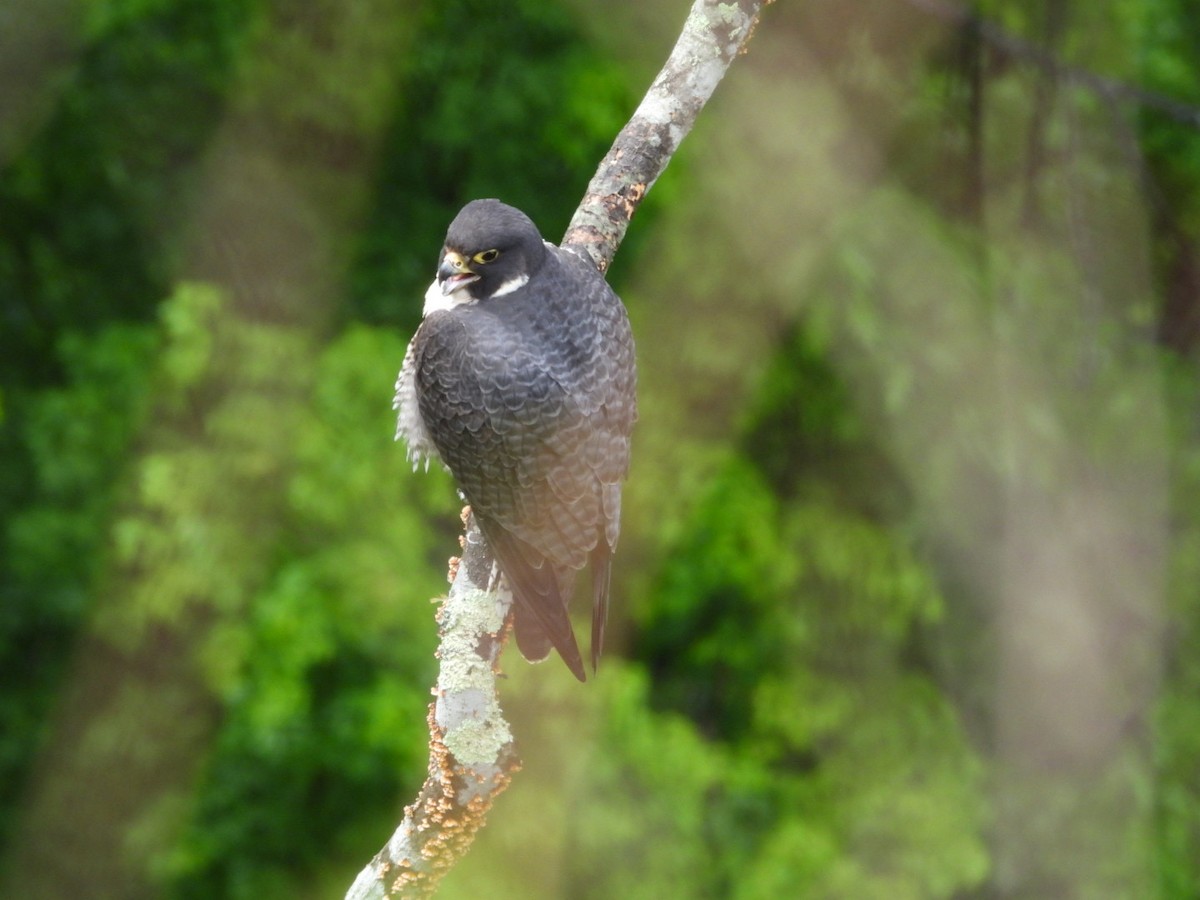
491	250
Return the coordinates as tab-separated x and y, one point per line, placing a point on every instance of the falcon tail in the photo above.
540	597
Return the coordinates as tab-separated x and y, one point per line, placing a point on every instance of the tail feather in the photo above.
601	577
532	640
540	596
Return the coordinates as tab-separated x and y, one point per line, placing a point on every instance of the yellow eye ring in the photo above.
486	256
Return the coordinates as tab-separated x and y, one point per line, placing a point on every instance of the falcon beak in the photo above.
454	272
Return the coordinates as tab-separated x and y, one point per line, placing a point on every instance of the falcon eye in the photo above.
486	256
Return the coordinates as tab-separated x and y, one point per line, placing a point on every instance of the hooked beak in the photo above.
454	273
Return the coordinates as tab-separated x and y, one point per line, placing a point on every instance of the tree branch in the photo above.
471	752
712	36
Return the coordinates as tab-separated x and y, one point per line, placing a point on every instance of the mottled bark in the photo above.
712	36
471	752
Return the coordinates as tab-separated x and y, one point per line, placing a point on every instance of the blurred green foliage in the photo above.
907	591
485	75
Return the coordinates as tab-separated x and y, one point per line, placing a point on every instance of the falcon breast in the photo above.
521	381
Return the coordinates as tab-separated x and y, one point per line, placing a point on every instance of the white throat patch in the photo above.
436	301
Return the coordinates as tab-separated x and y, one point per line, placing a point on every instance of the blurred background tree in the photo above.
907	599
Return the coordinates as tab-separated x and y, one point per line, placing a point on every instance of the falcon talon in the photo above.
521	381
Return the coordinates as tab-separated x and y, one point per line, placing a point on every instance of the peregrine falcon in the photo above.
521	381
